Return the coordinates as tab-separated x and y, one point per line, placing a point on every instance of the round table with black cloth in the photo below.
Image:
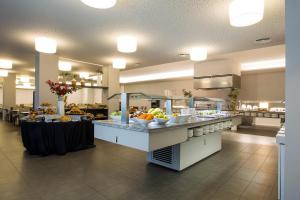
42	138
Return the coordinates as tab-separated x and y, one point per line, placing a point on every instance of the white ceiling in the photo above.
164	29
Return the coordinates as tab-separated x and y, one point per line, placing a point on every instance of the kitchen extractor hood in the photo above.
219	74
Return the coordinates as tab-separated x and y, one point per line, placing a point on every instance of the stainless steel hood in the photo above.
217	82
217	74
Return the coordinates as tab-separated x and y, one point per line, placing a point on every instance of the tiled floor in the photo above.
242	170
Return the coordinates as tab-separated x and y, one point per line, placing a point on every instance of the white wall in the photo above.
292	161
263	86
24	96
85	96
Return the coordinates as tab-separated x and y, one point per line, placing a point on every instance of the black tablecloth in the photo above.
41	138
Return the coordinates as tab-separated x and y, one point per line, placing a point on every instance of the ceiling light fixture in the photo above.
64	66
119	63
45	45
3	73
5	64
158	76
84	75
198	54
266	64
246	12
127	44
100	4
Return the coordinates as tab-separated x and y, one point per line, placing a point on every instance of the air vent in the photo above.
164	155
263	40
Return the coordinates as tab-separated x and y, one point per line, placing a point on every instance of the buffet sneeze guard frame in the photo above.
125	98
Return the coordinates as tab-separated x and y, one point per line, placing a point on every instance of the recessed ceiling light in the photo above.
45	45
64	66
263	40
119	63
3	73
127	44
101	4
246	12
84	75
5	64
198	54
266	64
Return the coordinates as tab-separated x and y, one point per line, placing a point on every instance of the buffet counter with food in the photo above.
174	141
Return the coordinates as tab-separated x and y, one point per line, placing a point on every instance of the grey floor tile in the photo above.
112	172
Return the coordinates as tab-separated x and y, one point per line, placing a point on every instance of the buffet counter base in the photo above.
167	145
42	138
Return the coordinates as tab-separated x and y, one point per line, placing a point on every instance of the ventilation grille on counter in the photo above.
164	155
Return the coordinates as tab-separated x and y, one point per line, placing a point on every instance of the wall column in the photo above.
46	68
111	79
292	161
9	91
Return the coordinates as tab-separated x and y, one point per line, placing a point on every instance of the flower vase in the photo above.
60	105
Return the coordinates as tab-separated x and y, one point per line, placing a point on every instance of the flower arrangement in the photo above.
61	89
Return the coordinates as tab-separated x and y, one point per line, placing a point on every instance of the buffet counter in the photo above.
171	145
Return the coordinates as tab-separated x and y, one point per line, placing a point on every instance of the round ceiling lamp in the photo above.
3	73
64	66
119	63
198	54
45	45
100	4
127	44
5	64
246	12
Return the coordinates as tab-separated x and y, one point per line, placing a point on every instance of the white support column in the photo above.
292	161
46	68
9	91
113	84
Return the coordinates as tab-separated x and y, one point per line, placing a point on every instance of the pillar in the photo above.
9	91
110	79
292	159
46	68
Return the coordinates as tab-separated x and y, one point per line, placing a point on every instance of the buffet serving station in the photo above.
172	145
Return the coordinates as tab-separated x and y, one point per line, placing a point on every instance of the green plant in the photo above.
187	93
233	98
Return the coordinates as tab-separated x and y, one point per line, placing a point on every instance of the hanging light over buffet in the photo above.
246	12
119	63
45	45
127	44
198	54
100	4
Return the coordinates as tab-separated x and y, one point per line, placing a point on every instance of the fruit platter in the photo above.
159	116
143	119
116	116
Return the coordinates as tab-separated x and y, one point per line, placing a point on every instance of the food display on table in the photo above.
100	116
45	104
50	111
75	111
65	118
